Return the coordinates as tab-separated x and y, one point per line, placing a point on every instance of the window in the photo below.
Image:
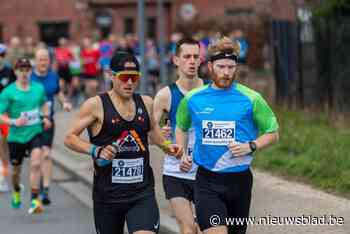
238	12
128	25
152	27
50	32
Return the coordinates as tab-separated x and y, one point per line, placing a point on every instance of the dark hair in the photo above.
186	40
22	63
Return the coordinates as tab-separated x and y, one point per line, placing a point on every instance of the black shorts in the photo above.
20	150
64	73
47	136
223	195
86	77
142	214
178	187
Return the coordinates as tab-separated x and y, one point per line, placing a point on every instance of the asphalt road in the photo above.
66	215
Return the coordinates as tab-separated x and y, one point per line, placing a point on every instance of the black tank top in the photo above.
130	175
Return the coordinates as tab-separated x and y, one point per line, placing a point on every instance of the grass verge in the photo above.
310	150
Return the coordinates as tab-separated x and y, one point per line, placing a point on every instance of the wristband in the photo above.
101	162
92	151
165	144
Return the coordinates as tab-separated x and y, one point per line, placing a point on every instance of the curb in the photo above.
168	224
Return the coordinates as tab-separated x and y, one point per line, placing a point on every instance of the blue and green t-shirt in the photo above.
222	116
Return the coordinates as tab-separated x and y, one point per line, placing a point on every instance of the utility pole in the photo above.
161	42
142	27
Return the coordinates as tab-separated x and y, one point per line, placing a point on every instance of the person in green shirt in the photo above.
24	103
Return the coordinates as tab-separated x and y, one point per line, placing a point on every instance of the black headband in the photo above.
224	55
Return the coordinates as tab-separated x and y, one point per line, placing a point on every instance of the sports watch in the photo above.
252	146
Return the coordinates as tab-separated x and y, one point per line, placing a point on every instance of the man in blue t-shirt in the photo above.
230	122
50	80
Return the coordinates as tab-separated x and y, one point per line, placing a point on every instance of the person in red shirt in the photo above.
63	57
91	69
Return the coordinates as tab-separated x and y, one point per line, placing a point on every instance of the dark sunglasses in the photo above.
125	76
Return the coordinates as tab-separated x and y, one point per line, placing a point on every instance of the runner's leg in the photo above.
184	215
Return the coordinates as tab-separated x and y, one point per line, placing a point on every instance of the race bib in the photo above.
127	171
218	132
33	117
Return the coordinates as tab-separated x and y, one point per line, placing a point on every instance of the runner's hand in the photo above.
21	121
186	163
47	123
173	149
239	149
108	152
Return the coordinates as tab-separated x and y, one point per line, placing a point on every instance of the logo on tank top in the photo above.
129	141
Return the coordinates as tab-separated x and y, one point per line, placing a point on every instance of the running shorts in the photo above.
178	187
219	196
20	150
141	214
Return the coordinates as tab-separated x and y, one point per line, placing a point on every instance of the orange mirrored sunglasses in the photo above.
126	75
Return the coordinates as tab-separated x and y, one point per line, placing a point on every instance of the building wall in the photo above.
120	12
21	17
283	10
210	8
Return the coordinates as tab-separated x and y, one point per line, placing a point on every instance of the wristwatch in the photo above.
252	146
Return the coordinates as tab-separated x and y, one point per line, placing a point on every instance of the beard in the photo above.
223	82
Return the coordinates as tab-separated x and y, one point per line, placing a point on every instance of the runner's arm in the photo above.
45	109
86	117
155	133
183	123
161	104
266	122
266	140
4	119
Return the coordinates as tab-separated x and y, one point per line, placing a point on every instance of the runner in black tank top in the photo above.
129	176
119	123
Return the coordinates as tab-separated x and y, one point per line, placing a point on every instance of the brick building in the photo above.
49	19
